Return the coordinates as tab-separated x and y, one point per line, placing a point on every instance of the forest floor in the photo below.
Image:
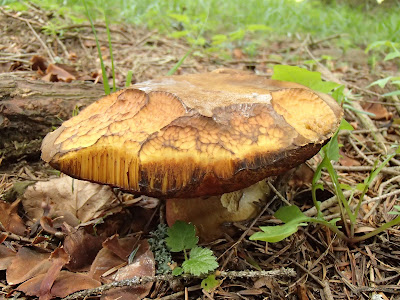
325	266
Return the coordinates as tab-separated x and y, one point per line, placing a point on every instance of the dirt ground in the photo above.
325	266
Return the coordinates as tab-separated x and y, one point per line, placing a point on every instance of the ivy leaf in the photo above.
181	236
201	261
299	75
210	283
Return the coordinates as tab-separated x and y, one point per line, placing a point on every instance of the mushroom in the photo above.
195	136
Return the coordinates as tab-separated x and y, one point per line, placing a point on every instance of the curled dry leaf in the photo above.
142	265
75	200
38	63
27	264
10	219
56	73
380	112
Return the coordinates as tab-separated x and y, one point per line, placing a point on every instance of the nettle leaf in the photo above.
290	214
299	75
210	283
273	234
181	236
201	261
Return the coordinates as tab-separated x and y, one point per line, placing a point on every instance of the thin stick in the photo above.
387	170
135	281
51	56
284	200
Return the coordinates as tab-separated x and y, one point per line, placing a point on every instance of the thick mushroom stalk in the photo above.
194	135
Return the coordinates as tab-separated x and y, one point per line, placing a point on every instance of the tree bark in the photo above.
29	109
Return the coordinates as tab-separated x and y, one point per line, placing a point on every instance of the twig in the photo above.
379	198
135	281
244	235
359	152
284	200
388	170
327	291
51	56
396	103
326	204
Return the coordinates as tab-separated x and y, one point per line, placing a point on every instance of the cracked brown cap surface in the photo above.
194	135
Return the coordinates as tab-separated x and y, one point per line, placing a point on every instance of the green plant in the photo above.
200	261
291	216
106	85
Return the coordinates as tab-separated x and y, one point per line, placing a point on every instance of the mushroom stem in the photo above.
210	214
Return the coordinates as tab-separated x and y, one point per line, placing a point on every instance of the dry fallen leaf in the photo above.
27	264
75	200
65	284
38	63
380	112
347	161
10	219
82	248
57	73
142	265
6	257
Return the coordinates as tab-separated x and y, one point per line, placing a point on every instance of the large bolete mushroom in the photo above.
194	136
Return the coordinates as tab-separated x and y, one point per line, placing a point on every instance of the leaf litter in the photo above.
52	248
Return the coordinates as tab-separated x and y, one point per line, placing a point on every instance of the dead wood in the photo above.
29	109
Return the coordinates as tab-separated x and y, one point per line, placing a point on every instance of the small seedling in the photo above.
200	261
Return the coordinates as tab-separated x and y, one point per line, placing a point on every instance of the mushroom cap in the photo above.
194	135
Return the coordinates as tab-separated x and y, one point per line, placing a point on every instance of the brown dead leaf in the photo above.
6	257
347	161
142	265
77	201
27	264
112	244
82	248
302	176
58	73
380	112
10	219
65	284
38	63
58	258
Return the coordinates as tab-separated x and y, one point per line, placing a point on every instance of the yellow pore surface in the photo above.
154	141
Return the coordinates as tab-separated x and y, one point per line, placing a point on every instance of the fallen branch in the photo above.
135	281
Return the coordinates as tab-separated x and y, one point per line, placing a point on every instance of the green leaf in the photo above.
381	82
201	261
210	283
181	236
308	78
273	234
394	93
392	55
177	271
258	27
338	94
290	214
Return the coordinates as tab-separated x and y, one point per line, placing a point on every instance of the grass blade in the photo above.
103	69
110	47
179	63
